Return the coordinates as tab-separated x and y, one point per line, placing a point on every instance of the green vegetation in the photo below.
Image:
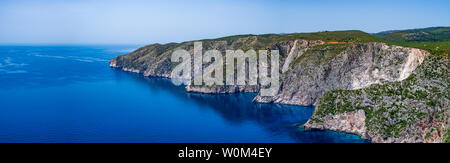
334	36
263	41
391	108
321	53
327	36
433	34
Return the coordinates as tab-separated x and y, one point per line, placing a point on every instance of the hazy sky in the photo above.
144	22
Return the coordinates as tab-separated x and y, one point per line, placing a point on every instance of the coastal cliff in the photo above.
154	60
289	51
359	83
349	67
408	111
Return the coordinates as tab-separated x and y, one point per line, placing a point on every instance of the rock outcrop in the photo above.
359	86
408	111
154	60
348	67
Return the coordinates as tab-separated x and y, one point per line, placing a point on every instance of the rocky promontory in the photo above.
408	111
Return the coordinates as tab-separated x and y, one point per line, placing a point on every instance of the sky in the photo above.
163	21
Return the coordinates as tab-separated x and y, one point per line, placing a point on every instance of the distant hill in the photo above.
432	34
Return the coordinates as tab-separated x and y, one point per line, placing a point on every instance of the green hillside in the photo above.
350	36
432	34
396	107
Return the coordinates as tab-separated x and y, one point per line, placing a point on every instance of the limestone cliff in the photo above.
412	110
154	60
348	67
359	84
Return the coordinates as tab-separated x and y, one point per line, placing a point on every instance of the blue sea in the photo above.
70	94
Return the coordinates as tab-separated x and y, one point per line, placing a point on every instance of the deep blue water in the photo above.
69	94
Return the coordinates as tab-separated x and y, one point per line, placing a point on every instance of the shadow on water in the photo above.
238	108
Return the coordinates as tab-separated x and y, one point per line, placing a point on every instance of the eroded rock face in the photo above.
154	60
291	50
350	122
222	89
344	67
